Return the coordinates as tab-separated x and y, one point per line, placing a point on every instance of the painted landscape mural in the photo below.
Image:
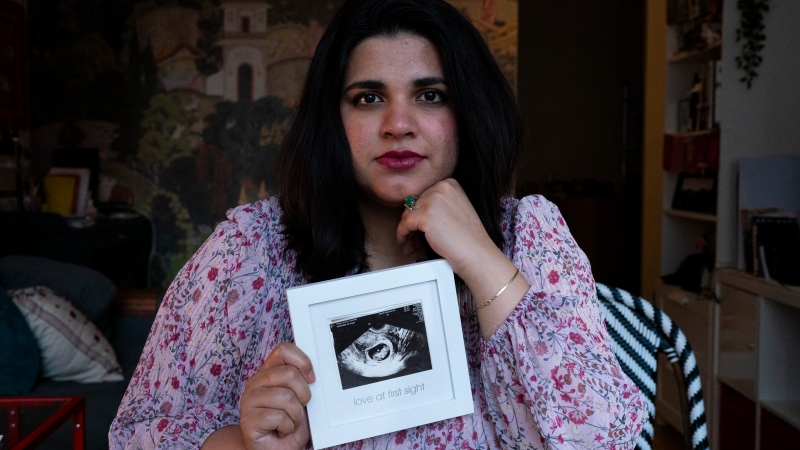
187	100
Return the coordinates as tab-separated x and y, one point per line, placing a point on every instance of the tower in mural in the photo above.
244	52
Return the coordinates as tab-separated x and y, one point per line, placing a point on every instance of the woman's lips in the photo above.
399	160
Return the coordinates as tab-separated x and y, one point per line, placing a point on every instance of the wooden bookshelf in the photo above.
691	215
713	51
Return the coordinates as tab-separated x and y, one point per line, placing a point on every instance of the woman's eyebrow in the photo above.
375	84
366	84
429	81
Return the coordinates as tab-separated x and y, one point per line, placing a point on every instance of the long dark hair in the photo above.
317	188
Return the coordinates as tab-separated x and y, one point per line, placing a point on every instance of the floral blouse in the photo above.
547	378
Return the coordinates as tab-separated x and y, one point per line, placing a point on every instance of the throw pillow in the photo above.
72	347
19	354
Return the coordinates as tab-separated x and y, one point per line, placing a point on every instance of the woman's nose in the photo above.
398	121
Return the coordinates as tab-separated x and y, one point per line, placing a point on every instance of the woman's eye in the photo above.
367	99
432	97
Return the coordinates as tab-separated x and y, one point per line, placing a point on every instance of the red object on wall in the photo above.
13	66
691	153
673	153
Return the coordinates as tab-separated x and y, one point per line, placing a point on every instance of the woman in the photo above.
403	149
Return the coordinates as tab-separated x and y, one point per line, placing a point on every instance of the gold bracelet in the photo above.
500	291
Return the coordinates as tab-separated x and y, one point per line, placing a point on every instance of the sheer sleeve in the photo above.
207	339
550	366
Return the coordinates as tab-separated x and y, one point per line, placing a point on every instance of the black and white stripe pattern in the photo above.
639	331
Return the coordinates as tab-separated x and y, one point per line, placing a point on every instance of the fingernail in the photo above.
311	377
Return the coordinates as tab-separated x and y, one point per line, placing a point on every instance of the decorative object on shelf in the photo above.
684	115
751	31
696	192
698	23
711	32
694	9
695	101
715	69
694	272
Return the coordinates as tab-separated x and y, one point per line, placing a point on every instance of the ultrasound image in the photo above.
381	346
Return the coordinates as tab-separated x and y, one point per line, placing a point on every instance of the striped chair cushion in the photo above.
639	331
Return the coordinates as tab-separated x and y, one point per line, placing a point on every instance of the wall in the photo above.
763	120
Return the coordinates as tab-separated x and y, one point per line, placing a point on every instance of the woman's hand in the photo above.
453	229
272	414
450	225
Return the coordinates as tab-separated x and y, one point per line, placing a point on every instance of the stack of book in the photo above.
772	244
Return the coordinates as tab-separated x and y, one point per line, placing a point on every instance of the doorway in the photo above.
581	84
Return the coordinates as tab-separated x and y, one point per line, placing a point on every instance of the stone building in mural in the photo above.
243	75
261	60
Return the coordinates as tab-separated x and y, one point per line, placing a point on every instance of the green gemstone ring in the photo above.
410	203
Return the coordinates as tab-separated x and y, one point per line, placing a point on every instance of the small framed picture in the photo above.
67	190
696	192
387	349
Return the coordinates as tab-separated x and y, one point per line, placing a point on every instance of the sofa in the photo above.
97	300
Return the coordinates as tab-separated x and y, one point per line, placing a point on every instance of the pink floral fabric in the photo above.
546	379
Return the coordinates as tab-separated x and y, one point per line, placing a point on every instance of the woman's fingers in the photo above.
272	405
289	354
452	228
283	413
286	377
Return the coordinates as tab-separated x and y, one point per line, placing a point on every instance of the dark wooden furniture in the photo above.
119	248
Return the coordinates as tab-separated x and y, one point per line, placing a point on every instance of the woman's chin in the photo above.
394	200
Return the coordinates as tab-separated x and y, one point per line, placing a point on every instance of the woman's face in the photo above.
399	122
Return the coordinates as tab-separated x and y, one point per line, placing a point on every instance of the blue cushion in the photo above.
19	353
89	290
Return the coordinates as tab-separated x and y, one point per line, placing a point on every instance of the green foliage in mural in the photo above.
302	11
166	133
176	240
209	25
250	132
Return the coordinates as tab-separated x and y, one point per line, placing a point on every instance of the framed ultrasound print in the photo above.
387	350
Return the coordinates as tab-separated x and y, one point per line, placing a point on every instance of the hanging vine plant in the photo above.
751	31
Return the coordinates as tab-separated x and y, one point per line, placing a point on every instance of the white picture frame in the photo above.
387	349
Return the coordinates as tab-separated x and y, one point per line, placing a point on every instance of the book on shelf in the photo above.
746	219
776	248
